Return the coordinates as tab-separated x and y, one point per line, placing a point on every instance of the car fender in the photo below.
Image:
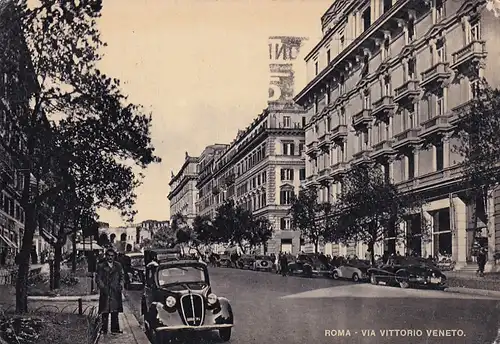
226	310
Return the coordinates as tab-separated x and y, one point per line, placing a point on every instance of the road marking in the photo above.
373	291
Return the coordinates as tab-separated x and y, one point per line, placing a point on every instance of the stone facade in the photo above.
183	192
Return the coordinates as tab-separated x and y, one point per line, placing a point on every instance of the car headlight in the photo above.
212	299
170	302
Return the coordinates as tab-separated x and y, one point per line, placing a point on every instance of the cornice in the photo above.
187	161
174	192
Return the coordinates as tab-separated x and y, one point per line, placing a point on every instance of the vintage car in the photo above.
245	261
354	269
134	270
225	262
263	263
309	265
408	272
162	254
178	299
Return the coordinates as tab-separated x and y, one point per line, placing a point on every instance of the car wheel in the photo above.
335	275
402	279
355	277
373	279
225	334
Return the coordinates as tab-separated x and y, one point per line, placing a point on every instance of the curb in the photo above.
67	298
135	328
472	291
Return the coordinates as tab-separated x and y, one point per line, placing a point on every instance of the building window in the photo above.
302	174
287	121
342	118
301	148
304	121
366	66
387	173
440	103
342	42
411	166
387	85
288	148
475	31
367	103
438	8
367	18
342	85
440	51
286	197
328	123
439	156
387	5
411	31
386	48
412	68
286	174
474	87
328	56
316	68
285	224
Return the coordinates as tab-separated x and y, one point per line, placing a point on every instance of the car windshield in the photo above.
262	258
359	262
181	274
137	261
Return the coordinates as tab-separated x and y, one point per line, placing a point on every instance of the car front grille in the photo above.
192	309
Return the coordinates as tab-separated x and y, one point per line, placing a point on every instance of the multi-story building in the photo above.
129	238
386	82
205	205
261	170
183	191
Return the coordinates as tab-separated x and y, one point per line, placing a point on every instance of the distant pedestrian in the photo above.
284	265
109	279
481	262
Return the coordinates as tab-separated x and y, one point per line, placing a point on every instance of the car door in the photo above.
346	271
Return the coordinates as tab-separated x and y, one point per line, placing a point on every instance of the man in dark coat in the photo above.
481	261
109	279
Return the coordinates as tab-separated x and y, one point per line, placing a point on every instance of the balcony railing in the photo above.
435	75
383	106
435	125
361	156
364	117
382	148
407	137
408	90
473	50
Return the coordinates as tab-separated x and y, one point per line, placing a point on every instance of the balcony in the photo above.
311	148
471	53
383	149
362	118
338	133
338	169
324	142
324	174
435	125
407	92
361	157
459	111
383	107
435	76
406	138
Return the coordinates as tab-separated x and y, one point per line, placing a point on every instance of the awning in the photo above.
8	241
50	236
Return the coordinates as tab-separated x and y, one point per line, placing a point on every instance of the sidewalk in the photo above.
132	331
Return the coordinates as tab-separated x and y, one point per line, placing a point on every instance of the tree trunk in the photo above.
57	265
24	260
371	247
73	258
316	246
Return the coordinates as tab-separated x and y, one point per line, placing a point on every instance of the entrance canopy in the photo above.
88	246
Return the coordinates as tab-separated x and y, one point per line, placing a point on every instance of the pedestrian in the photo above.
109	279
284	265
481	261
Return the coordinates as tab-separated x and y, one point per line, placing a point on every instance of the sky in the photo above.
201	68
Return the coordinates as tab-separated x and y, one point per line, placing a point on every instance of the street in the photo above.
269	308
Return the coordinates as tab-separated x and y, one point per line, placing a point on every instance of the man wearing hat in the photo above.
109	279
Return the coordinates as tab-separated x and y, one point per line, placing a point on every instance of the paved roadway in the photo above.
269	308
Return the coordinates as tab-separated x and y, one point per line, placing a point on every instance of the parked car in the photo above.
408	272
225	262
245	261
309	265
134	271
263	263
354	269
178	298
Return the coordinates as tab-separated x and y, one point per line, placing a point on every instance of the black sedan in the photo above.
134	270
408	272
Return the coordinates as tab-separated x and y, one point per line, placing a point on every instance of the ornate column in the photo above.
416	151
459	237
446	150
428	246
490	213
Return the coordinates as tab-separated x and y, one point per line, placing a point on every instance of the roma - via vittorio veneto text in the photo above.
153	191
